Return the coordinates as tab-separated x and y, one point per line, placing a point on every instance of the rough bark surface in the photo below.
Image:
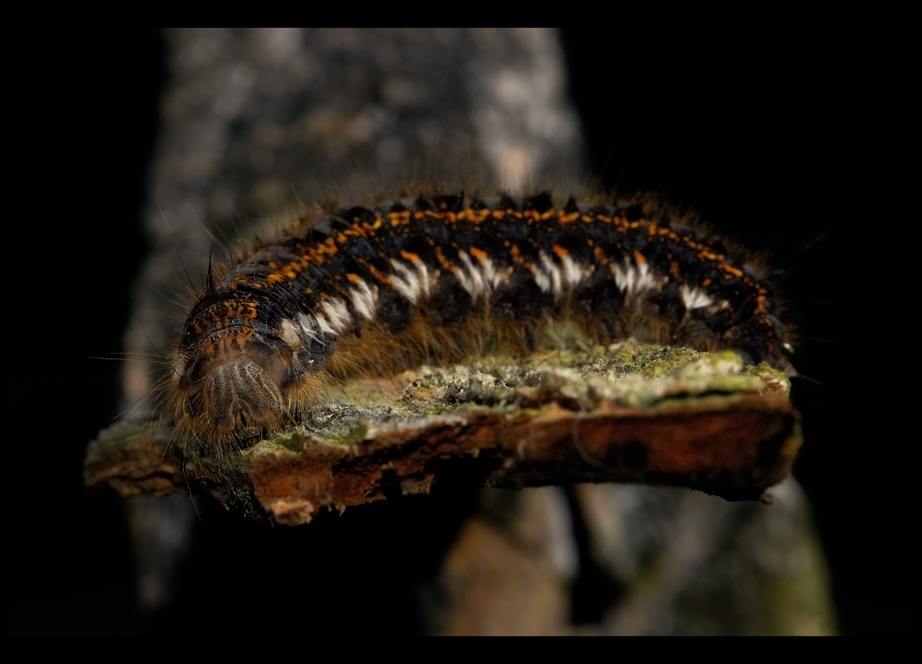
627	413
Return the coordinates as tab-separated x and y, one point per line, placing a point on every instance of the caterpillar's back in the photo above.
439	278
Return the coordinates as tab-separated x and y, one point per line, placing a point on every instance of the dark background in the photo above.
797	142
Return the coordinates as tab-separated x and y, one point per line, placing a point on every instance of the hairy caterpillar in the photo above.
441	278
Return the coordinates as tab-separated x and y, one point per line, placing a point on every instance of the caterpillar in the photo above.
372	290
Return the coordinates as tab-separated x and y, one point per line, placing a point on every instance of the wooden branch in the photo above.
628	413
